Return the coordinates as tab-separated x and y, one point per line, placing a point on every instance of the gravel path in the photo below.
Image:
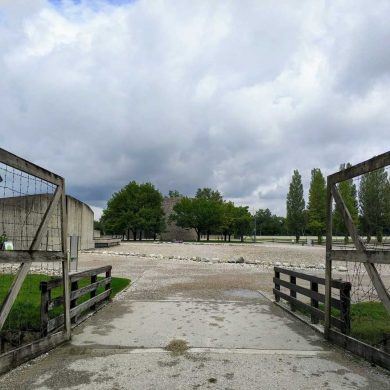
259	252
230	335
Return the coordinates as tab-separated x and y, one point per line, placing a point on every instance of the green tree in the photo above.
242	221
228	220
208	193
203	215
212	202
263	221
269	224
317	204
184	215
135	208
174	194
151	214
211	211
348	192
372	201
295	206
120	215
98	225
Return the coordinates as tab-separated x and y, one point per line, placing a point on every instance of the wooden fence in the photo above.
342	304
78	310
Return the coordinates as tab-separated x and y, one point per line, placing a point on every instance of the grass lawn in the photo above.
25	313
369	321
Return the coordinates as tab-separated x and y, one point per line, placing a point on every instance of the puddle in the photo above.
242	293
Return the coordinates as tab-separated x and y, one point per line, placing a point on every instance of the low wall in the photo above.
80	221
20	217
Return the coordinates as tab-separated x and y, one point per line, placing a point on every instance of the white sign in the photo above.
8	246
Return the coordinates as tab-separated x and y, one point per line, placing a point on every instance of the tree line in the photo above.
208	213
368	203
136	210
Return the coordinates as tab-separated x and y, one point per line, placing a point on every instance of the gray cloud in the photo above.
232	95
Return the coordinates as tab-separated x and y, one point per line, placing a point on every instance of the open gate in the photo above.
366	261
33	247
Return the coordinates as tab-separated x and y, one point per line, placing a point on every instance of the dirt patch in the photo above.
168	364
177	347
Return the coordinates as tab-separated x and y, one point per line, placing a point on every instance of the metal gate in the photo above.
33	248
365	262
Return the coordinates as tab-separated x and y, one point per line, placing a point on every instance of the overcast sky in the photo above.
228	94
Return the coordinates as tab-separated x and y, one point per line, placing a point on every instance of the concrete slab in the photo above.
203	324
197	370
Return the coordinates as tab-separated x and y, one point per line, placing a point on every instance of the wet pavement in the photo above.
234	338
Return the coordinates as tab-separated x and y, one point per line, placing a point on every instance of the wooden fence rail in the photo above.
342	304
77	310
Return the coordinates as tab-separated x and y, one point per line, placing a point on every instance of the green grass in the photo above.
25	313
369	321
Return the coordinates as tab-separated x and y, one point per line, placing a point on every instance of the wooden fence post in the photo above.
293	280
277	286
45	298
93	292
108	285
386	342
73	303
345	311
314	302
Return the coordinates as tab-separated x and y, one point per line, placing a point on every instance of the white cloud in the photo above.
97	212
230	94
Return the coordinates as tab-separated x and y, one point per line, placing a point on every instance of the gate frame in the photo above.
361	254
33	254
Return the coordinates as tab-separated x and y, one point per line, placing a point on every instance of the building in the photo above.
20	217
80	222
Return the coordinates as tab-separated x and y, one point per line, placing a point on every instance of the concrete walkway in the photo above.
222	334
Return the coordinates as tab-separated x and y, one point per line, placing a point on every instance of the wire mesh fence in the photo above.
367	198
24	201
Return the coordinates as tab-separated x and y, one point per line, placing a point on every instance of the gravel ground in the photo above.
259	252
259	259
236	338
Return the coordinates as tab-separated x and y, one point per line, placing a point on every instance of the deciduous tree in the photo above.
174	194
209	194
136	208
228	217
242	221
202	214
